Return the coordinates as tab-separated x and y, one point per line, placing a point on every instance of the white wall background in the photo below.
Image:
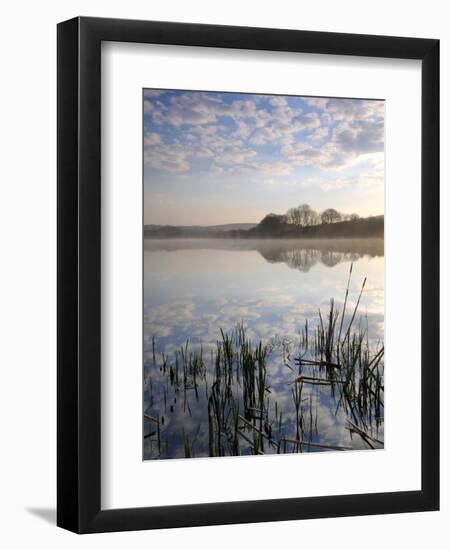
28	269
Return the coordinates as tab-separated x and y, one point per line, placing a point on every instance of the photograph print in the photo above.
263	266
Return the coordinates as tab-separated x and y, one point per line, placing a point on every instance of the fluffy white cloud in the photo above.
278	101
148	107
167	157
360	136
319	102
152	138
152	93
354	109
320	133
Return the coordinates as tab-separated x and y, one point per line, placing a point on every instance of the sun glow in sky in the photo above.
215	158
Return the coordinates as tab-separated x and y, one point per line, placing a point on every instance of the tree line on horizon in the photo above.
303	221
305	216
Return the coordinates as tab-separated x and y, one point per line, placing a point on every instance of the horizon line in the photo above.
240	223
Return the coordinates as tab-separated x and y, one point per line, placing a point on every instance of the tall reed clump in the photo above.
351	368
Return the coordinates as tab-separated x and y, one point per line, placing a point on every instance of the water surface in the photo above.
193	288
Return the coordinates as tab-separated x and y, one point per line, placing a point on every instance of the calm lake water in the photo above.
193	288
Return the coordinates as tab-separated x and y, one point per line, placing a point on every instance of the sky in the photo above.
215	158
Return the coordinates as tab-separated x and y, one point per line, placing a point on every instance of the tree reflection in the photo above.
303	254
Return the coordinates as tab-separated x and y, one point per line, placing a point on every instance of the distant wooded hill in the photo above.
301	222
196	230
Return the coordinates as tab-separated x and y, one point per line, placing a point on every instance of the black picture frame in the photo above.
79	275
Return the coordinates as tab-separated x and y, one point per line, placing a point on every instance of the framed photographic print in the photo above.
248	259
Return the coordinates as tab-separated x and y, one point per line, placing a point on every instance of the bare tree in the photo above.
330	215
307	215
293	216
303	215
